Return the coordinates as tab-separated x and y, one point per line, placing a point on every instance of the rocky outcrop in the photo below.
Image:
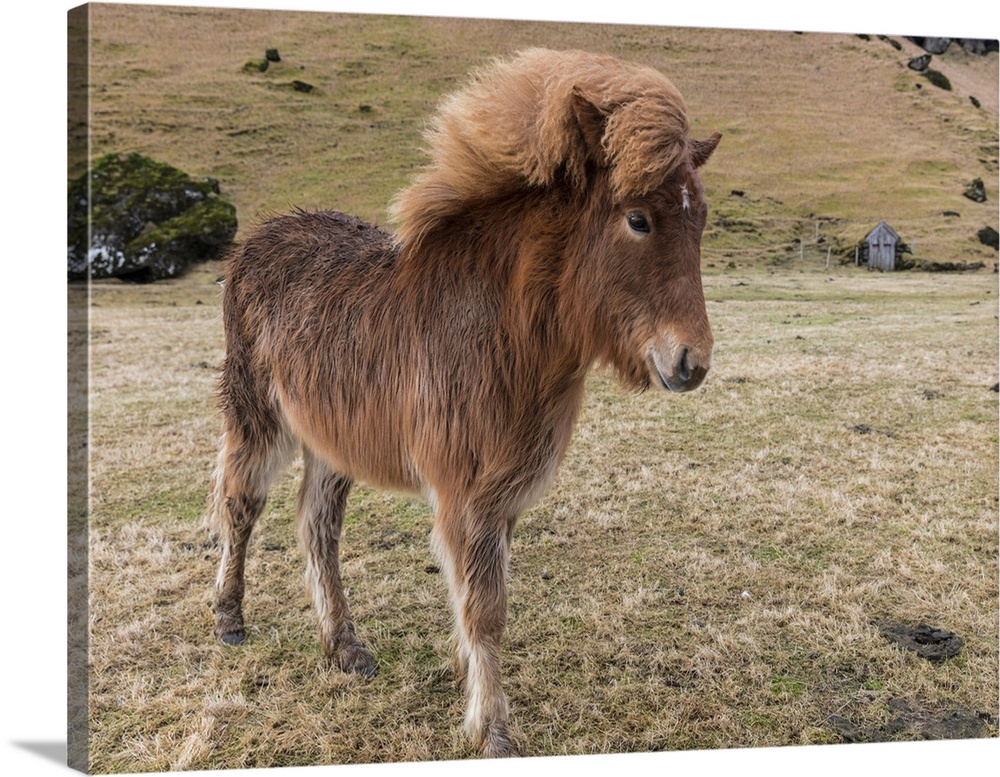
147	220
976	191
940	45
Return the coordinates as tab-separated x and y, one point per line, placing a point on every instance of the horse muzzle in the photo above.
679	367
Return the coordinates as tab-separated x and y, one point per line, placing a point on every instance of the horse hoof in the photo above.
501	748
356	660
497	744
233	638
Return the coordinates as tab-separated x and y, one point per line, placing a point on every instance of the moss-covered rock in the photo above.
147	220
938	78
989	237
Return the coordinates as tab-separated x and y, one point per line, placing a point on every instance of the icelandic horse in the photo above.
557	226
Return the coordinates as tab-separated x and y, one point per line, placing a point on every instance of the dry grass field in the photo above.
708	570
839	467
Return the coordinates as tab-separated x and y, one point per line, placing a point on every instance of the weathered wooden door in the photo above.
882	252
887	252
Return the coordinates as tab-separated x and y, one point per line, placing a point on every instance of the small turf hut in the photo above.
881	248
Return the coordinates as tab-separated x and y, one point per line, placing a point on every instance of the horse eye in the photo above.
637	222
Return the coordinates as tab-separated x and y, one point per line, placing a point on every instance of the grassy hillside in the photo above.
825	134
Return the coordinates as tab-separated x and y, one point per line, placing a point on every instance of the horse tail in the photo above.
211	519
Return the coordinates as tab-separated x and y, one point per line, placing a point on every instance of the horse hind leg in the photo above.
244	472
322	500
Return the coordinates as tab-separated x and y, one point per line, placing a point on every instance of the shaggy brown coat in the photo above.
557	226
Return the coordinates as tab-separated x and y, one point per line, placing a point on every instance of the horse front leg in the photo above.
475	547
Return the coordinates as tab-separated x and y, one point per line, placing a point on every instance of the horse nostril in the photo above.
683	366
686	369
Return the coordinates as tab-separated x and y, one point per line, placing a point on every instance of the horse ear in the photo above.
590	119
701	150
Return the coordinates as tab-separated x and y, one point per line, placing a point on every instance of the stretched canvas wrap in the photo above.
636	450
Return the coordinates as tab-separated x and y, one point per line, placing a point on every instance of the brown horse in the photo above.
558	225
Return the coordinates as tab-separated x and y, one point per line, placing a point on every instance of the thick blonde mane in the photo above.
517	125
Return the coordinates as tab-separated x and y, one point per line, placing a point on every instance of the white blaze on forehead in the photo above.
685	197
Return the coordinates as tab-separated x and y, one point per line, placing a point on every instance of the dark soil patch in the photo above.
866	429
907	721
926	641
870	717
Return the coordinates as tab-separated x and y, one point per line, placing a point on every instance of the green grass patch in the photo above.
788	687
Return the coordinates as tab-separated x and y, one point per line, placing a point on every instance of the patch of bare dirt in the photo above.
906	720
